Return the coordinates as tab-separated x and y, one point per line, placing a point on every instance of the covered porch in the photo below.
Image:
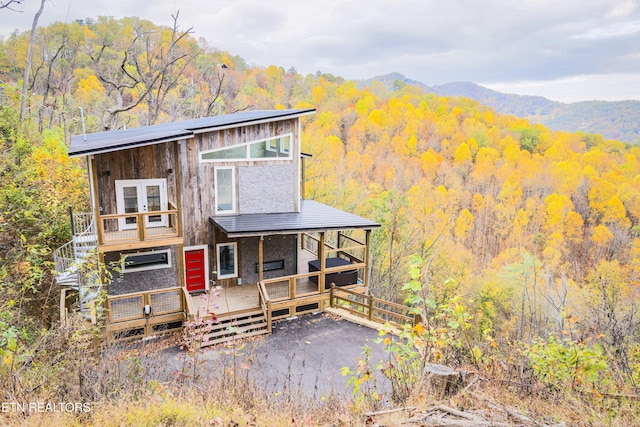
284	296
331	250
331	247
280	291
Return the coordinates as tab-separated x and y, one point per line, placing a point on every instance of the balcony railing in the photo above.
143	314
155	226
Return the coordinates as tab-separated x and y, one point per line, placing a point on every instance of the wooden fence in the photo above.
372	308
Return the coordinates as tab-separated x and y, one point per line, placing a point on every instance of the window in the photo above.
284	144
227	260
272	145
265	149
146	261
141	195
225	190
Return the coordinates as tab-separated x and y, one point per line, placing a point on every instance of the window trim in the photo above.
271	148
133	269
234	197
279	148
235	261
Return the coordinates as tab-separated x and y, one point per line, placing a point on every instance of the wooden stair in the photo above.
235	326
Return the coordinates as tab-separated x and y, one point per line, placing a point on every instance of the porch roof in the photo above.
105	142
313	216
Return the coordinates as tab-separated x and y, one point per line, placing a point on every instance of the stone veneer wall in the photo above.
140	281
266	189
274	248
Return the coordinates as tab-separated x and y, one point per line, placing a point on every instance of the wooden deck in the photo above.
241	298
234	299
245	310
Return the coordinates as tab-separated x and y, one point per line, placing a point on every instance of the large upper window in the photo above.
225	190
265	149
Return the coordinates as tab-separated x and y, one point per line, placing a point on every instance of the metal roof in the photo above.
313	216
104	142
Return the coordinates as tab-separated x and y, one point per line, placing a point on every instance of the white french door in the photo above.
141	195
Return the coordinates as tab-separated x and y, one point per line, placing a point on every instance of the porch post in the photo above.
260	256
96	198
365	271
180	266
177	176
302	177
321	259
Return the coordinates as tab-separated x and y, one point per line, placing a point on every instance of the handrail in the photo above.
344	236
262	295
328	270
187	301
63	257
344	249
67	256
311	237
265	303
134	214
369	308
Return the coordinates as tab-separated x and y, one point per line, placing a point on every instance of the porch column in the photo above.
180	266
177	176
365	271
302	177
260	256
96	205
321	258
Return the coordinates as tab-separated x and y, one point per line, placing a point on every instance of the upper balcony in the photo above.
139	230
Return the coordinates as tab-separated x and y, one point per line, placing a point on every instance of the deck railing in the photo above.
303	293
344	247
138	227
265	304
371	308
145	313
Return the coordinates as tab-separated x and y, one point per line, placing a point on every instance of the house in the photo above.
179	208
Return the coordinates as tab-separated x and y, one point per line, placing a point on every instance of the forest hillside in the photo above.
612	119
519	245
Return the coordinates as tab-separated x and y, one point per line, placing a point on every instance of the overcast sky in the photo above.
569	50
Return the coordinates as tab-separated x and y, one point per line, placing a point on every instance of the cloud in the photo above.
428	40
611	31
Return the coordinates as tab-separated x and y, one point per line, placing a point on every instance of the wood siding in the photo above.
198	195
149	162
190	184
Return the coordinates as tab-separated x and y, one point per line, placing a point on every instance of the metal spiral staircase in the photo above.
76	265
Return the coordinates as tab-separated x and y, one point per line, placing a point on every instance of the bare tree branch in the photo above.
9	4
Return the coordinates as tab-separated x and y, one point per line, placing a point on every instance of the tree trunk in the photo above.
441	381
27	68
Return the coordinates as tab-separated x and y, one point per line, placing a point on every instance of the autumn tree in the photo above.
146	69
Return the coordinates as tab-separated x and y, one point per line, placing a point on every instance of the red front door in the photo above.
195	273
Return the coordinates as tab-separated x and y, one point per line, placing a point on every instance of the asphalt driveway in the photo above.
303	356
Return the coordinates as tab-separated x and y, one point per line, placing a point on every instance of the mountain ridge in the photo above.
618	120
